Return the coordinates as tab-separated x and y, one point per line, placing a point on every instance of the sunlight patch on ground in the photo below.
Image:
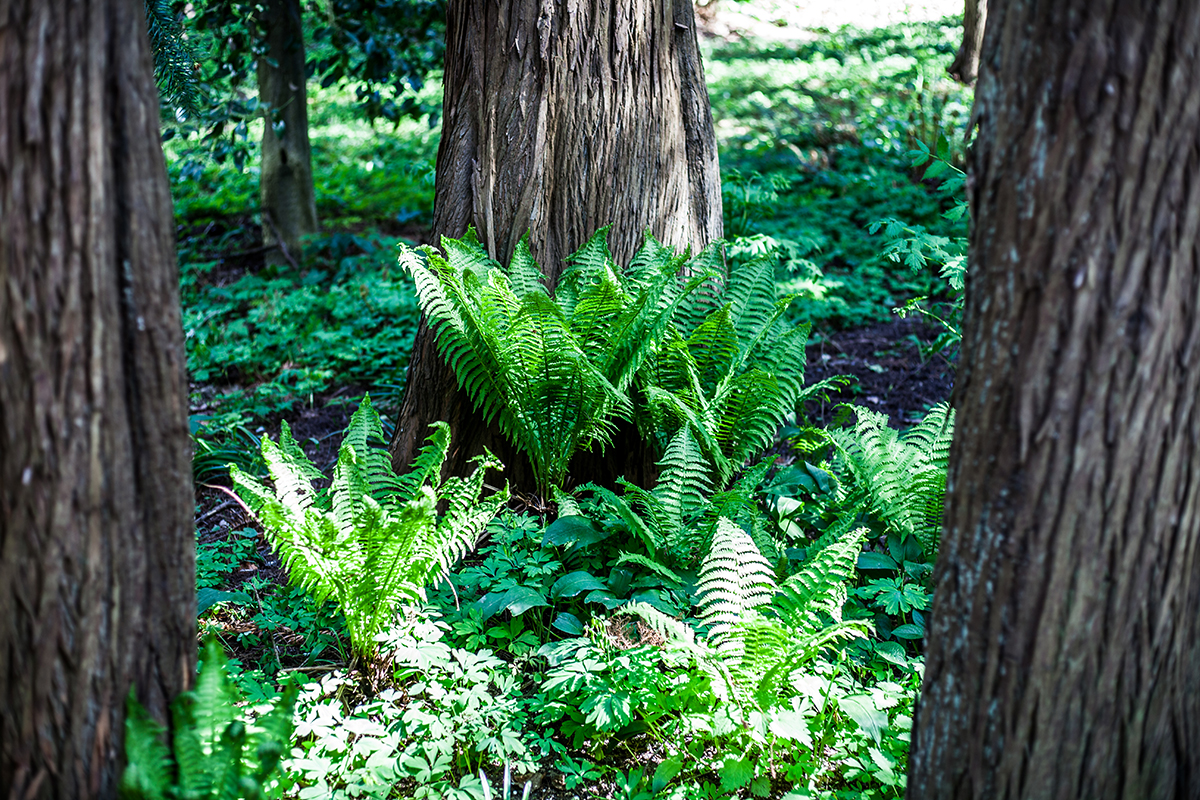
791	20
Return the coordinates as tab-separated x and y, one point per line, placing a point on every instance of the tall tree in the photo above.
289	205
1063	640
558	119
965	66
96	548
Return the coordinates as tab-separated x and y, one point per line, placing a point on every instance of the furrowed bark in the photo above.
1063	652
97	583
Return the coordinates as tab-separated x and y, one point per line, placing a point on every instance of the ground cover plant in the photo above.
749	625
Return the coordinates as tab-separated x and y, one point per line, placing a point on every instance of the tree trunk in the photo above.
966	62
97	580
288	204
1064	645
560	118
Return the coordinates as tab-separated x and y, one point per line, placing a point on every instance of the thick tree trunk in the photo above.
96	549
1064	645
965	66
286	181
560	118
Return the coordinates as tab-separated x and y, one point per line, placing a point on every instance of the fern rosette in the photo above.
552	371
373	540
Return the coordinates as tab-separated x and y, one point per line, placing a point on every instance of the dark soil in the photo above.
886	371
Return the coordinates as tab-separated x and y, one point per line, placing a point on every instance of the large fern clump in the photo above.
726	375
901	476
214	754
372	540
760	631
554	371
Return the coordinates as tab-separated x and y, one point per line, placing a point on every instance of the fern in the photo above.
729	370
763	632
902	476
734	580
213	753
552	372
373	540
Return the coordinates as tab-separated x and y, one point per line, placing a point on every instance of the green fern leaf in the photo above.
734	579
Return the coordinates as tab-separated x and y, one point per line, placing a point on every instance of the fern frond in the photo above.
710	294
148	761
734	579
683	482
818	587
524	274
215	753
903	477
751	294
652	565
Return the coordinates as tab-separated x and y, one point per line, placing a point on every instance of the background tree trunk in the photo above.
560	118
286	182
966	62
1064	645
97	577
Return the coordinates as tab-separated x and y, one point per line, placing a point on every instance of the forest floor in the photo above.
886	365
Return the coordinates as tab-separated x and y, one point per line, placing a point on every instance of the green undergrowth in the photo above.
763	644
262	341
813	141
749	626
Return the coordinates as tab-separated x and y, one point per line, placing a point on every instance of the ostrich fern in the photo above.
901	475
760	632
763	631
729	369
373	540
213	753
553	372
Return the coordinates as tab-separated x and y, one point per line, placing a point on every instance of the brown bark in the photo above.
560	118
965	66
96	548
286	181
1064	644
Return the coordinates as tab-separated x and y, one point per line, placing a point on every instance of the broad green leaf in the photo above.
893	652
736	773
207	598
574	583
516	600
568	624
665	773
572	530
869	560
790	725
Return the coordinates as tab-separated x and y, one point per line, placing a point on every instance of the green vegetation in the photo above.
373	540
750	625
